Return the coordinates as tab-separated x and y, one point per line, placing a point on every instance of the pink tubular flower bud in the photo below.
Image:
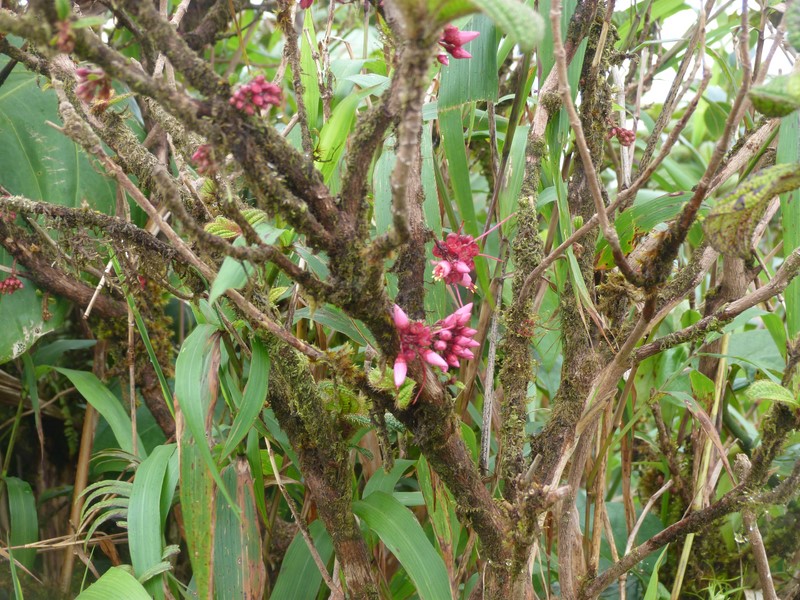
400	318
460	53
400	370
434	359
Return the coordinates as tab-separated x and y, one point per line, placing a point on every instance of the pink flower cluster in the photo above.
453	40
453	337
93	84
256	95
626	137
204	160
457	253
10	285
441	345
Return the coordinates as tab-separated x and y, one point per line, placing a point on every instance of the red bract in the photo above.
256	95
304	4
453	40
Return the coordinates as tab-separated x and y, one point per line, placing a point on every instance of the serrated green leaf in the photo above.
223	227
764	389
254	216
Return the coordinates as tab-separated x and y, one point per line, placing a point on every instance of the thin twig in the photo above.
609	231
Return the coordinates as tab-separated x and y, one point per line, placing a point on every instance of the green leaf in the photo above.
197	491
48	354
652	585
382	188
117	582
778	97
475	79
335	132
731	223
299	578
402	534
23	323
332	317
789	152
146	515
40	162
239	570
23	519
308	74
196	382
702	387
651	208
255	394
763	389
108	405
140	325
381	481
792	21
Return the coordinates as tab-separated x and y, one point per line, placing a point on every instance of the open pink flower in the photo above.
453	40
457	253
